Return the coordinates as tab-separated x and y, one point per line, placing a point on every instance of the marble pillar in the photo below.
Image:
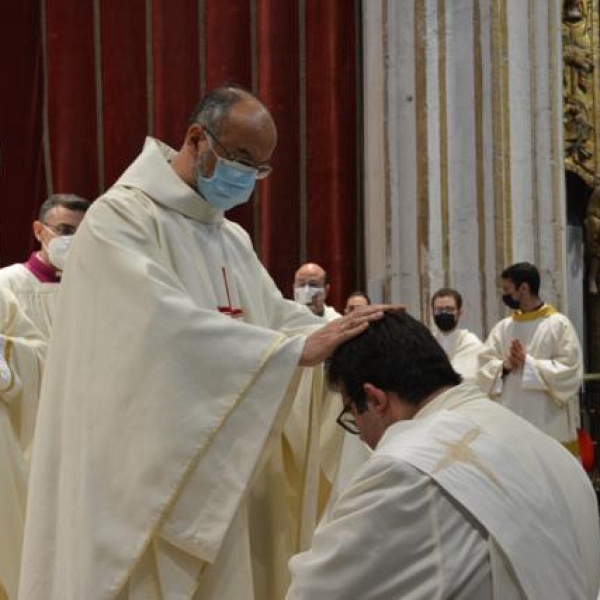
463	150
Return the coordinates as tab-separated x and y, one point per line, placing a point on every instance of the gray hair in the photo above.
68	201
215	106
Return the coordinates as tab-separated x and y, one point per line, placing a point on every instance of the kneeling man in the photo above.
461	498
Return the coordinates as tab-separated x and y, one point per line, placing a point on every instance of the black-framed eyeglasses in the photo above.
261	171
347	421
445	310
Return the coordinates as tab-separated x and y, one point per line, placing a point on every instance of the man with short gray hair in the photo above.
311	287
170	377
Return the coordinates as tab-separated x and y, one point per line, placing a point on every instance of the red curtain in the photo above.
22	176
113	72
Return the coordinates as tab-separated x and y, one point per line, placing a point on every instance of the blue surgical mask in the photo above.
231	184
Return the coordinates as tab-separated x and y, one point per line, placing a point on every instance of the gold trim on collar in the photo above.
541	313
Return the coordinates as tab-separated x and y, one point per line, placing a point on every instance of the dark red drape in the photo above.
332	127
114	72
72	129
22	177
279	85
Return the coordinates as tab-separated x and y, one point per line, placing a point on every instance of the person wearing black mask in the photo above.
461	346
532	362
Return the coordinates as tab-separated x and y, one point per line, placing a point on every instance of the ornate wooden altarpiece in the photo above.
581	118
581	58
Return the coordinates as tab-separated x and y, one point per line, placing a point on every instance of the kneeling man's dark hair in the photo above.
396	354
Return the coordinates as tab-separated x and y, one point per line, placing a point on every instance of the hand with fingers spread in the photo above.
321	344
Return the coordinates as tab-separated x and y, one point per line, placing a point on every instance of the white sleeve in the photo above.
392	534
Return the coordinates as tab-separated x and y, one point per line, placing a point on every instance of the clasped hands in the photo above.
516	356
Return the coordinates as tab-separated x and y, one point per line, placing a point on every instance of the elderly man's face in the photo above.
312	278
247	135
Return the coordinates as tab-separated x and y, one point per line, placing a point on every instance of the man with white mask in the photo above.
311	288
35	282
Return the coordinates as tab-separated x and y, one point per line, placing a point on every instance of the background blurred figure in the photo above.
22	351
531	361
311	288
355	299
35	282
461	346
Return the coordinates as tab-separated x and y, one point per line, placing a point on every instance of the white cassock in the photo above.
36	298
545	392
21	362
165	386
465	501
462	348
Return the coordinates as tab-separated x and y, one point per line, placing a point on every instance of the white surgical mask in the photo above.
306	293
58	248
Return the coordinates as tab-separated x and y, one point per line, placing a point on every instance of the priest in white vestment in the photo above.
35	282
173	365
22	352
532	361
461	345
311	288
461	498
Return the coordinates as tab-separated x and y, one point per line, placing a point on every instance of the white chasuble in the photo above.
165	389
465	501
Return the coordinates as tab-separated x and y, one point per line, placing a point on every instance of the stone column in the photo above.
463	149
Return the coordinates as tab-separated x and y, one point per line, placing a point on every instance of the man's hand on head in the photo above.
322	343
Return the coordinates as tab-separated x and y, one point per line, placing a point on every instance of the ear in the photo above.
194	135
38	228
326	291
378	398
459	314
